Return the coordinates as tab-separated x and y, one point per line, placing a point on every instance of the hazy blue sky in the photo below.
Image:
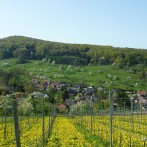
120	23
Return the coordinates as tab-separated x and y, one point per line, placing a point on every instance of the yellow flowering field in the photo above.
30	133
64	134
124	132
66	131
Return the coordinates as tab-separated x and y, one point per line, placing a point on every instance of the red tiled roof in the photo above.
142	92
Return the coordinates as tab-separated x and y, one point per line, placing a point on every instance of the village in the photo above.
68	95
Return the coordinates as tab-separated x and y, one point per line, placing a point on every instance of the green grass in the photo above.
107	76
97	140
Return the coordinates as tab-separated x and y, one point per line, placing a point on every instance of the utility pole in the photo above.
131	99
91	114
43	135
5	120
42	120
111	113
16	124
49	119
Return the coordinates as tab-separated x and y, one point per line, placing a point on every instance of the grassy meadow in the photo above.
107	76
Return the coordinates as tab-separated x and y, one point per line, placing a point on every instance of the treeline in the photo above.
12	80
25	48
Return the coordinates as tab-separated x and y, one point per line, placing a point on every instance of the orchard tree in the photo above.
15	82
21	54
25	107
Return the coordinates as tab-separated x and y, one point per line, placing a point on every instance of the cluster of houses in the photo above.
142	98
86	93
73	89
80	92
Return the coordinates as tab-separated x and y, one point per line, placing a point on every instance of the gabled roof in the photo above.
142	93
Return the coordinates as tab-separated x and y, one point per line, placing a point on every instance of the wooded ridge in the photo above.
25	48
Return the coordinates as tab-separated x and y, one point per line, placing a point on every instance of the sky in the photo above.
119	23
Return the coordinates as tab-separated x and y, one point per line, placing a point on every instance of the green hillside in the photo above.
101	75
107	66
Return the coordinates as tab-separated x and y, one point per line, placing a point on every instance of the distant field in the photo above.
107	76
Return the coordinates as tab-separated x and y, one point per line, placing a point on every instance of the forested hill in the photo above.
25	48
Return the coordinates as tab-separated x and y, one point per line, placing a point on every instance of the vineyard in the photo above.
104	128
